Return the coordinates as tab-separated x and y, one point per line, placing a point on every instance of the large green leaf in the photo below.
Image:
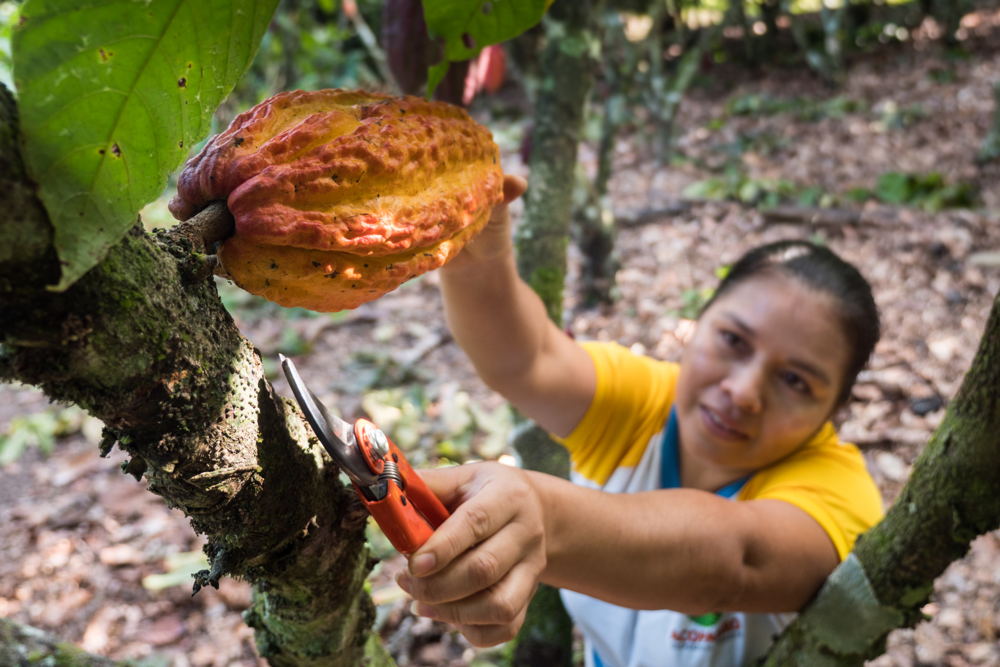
112	95
466	26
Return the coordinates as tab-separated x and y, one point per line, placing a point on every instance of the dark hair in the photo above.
821	269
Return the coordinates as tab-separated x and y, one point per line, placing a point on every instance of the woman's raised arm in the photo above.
503	327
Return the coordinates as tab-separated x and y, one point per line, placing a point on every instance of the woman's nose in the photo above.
745	385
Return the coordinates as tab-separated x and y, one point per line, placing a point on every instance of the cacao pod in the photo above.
410	51
341	196
486	72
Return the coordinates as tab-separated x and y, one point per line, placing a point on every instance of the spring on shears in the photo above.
391	472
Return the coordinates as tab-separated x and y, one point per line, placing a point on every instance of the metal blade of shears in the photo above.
335	434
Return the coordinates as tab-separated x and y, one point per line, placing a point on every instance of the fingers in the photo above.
480	568
499	604
471	522
483	636
492	616
513	187
449	484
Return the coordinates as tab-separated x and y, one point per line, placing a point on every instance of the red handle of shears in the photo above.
407	516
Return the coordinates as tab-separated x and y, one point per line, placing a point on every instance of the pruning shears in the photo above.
404	507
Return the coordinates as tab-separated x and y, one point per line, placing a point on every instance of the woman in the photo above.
658	564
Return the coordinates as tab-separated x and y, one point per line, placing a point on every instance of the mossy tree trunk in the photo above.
143	343
566	64
949	500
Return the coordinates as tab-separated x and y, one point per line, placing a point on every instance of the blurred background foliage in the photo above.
652	54
646	45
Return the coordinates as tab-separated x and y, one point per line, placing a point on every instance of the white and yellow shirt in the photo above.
626	443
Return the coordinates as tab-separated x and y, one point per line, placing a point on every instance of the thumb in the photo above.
513	187
448	484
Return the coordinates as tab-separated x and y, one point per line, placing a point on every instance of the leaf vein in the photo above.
140	71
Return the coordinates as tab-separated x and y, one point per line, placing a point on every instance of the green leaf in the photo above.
710	188
41	429
180	568
859	194
435	75
894	187
9	13
750	191
928	183
112	96
810	196
466	26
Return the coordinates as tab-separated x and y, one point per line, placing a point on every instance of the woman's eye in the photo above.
730	338
796	383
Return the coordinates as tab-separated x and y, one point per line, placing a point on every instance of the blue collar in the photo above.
670	461
670	475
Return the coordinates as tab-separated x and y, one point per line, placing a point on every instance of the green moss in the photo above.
916	596
547	281
546	637
538	451
376	654
68	655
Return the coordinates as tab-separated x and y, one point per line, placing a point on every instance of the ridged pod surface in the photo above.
341	196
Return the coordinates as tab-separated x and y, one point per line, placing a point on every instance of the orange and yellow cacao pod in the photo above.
341	196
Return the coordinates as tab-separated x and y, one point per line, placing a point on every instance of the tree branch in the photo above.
808	215
949	500
156	357
212	224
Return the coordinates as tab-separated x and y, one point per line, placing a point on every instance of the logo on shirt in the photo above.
707	620
692	637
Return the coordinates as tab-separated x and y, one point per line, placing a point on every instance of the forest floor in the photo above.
90	556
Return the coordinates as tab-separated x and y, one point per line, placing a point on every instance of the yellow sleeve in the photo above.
828	480
631	403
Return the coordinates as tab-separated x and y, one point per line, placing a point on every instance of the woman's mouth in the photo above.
719	426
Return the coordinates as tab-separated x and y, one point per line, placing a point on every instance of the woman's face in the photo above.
759	377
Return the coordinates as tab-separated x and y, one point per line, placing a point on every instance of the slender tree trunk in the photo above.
659	81
285	31
770	10
990	149
593	220
143	343
739	18
949	500
541	240
949	13
679	83
834	20
566	64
